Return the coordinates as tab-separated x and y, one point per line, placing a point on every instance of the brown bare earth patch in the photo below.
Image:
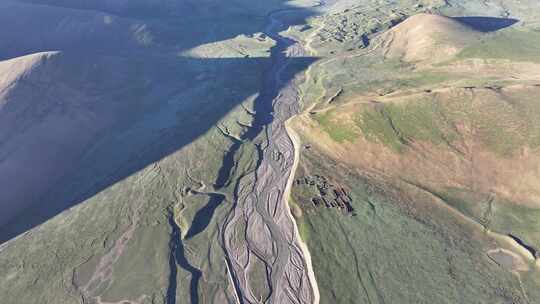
422	35
507	259
480	139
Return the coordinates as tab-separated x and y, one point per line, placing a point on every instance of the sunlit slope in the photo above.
426	36
58	112
117	119
432	132
465	155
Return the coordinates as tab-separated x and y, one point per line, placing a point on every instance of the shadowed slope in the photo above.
115	98
92	136
426	36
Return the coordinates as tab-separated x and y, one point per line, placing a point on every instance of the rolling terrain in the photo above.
418	171
178	151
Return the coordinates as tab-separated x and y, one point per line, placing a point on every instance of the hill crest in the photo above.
427	37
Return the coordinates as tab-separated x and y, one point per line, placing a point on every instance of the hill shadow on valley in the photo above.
84	119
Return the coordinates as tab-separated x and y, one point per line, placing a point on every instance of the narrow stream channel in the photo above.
177	257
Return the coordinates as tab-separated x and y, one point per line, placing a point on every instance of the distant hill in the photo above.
427	37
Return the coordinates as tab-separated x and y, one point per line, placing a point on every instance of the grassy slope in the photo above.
401	247
59	257
394	251
516	45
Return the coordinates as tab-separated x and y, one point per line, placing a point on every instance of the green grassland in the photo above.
368	74
392	124
496	214
395	125
75	240
402	247
54	262
501	122
395	249
337	130
515	45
